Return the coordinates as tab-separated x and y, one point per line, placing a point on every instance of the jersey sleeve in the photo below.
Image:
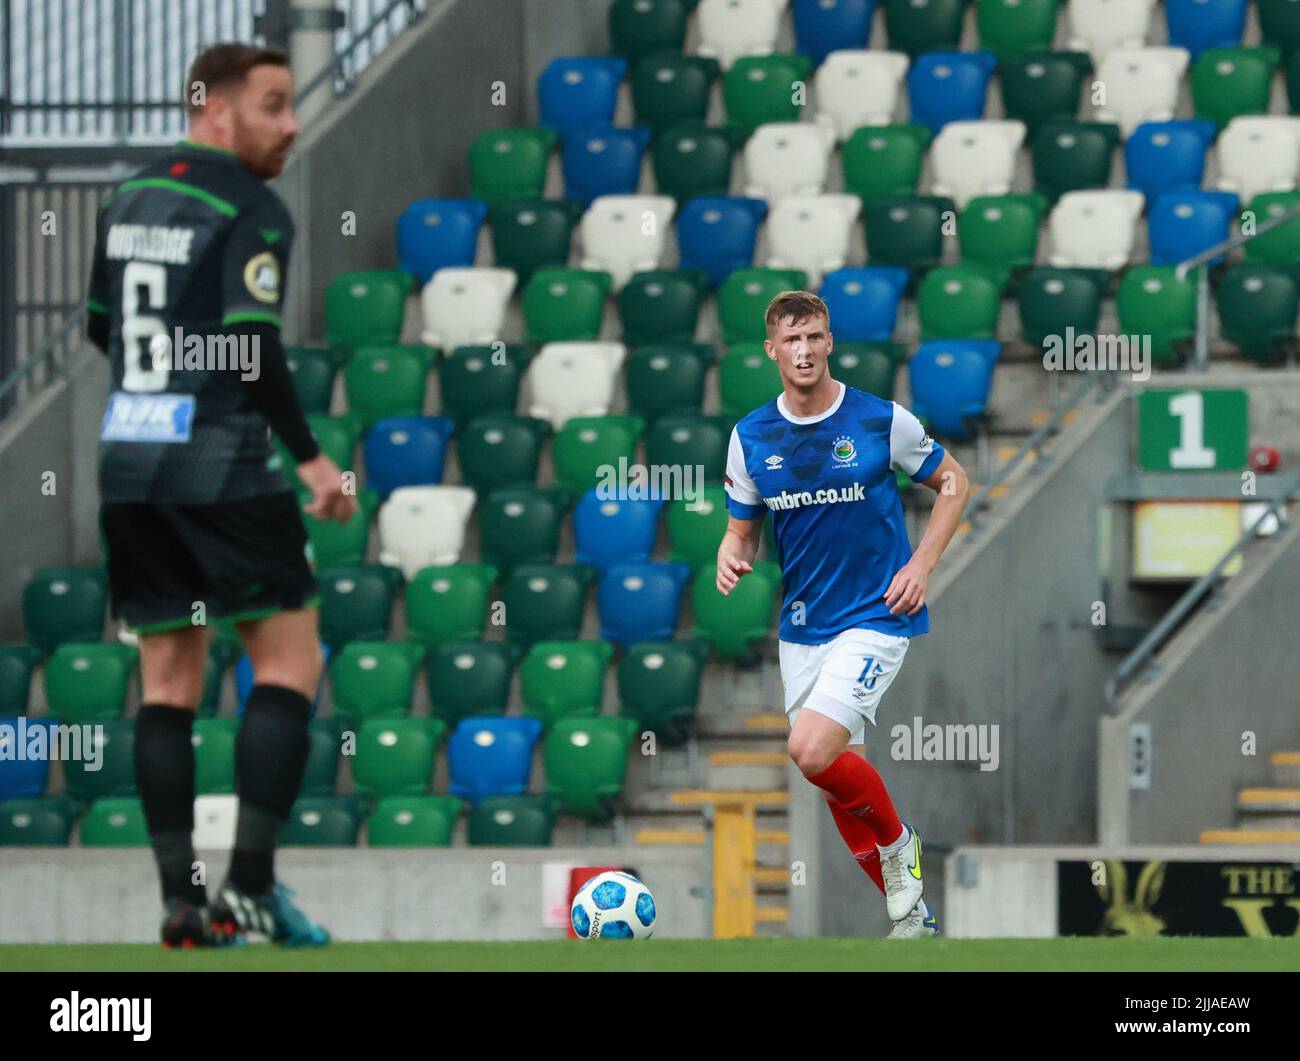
256	265
910	448
743	499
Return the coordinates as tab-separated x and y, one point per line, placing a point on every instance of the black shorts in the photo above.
242	559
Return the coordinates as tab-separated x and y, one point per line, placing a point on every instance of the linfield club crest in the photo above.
844	451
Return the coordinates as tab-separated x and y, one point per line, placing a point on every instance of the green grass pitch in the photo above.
758	955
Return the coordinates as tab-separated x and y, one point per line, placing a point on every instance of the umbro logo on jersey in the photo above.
774	461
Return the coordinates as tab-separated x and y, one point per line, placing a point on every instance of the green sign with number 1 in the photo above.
1193	430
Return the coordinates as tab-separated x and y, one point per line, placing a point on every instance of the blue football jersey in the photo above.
829	483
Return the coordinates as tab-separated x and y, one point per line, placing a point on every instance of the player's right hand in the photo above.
730	569
328	501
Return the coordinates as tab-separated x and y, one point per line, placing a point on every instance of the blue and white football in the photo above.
613	905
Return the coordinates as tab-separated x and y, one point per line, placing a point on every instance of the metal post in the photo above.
1203	319
311	50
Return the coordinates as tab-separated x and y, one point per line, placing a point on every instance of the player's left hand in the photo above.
906	590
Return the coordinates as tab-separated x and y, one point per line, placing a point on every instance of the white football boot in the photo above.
919	924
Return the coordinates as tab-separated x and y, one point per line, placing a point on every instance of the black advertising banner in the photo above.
1107	897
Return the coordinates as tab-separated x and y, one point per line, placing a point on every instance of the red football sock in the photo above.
855	784
861	839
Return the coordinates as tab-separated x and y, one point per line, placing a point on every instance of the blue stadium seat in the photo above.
718	234
406	451
433	234
1184	222
244	680
574	92
1201	24
603	160
948	87
24	778
1162	156
950	381
863	303
615	531
641	602
492	756
825	26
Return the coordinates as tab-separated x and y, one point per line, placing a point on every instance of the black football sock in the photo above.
164	770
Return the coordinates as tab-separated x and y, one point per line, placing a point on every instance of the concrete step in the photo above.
1285	768
1251	836
747	769
1268	800
1267	821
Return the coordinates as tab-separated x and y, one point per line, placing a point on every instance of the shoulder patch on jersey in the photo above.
262	277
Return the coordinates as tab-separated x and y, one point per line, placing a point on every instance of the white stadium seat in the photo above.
625	234
214	822
787	158
730	29
856	88
1100	26
421	526
1094	229
1258	153
465	307
1141	85
573	379
811	232
975	158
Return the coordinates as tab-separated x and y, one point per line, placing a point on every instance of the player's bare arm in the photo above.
325	481
737	551
906	593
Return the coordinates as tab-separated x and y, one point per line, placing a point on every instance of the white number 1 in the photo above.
138	331
1191	451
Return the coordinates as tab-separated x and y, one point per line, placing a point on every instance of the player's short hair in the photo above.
222	65
798	305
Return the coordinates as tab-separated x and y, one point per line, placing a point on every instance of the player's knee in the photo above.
810	756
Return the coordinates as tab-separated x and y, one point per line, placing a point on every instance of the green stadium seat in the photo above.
115	775
661	306
222	654
586	764
374	679
334	544
448	603
664	379
322	821
114	822
478	381
1042	87
89	682
413	821
564	304
916	26
999	233
564	679
545	602
1257	311
587	444
1052	300
531	234
1069	156
1279	247
313	370
1293	82
669	88
507	164
734	624
17	661
869	366
1227	82
65	604
498	450
356	602
1152	301
520	525
214	755
45	822
765	88
696	527
958	302
638	28
659	686
1279	24
692	160
512	821
907	231
366	307
747	379
689	441
337	437
394	756
1009	28
743	299
324	746
470	678
881	162
387	381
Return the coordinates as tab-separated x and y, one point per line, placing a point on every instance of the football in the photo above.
613	906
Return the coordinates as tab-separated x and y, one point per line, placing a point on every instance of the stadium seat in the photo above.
108	770
958	302
1042	87
564	678
975	158
62	604
576	91
413	821
640	601
999	233
1279	26
435	234
863	303
1280	246
869	366
1094	229
857	88
1009	28
1140	85
659	686
1072	156
1181	224
759	89
696	525
1152	301
491	757
883	162
322	821
17	661
214	755
512	821
114	822
394	756
221	654
949	87
811	233
498	450
787	158
330	543
313	370
664	379
615	530
573	379
530	234
717	235
420	526
602	160
1054	300
693	160
477	381
730	29
588	446
1257	310
465	306
337	435
406	451
689	442
638	28
1259	154
1100	26
625	234
822	27
733	624
520	525
84	682
324	749
468	678
661	306
1200	24
1162	156
366	307
1227	82
562	305
36	822
586	764
356	603
907	231
545	602
668	89
507	164
950	381
374	679
384	381
916	26
747	378
24	778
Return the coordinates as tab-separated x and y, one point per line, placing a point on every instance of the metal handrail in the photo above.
334	67
1155	639
41	354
